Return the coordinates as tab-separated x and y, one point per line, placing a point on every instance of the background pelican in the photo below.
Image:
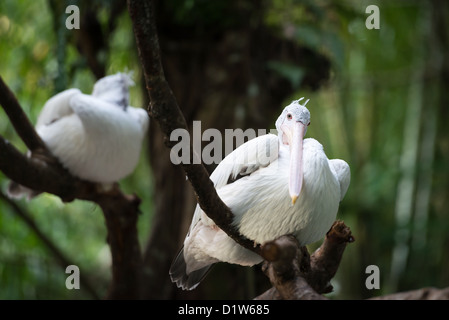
97	137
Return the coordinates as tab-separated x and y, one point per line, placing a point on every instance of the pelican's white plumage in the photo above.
97	137
258	186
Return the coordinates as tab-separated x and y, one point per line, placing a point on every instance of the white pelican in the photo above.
97	137
296	191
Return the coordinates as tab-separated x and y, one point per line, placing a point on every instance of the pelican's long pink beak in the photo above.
295	139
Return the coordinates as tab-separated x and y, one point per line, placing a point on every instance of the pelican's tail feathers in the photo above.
179	275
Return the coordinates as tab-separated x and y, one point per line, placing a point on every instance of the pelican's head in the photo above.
114	89
292	127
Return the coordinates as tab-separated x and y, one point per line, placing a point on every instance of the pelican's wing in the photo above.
244	160
247	158
343	174
192	264
56	107
141	116
98	114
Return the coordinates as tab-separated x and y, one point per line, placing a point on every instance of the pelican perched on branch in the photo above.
274	185
97	137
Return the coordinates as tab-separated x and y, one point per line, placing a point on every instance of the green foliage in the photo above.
29	270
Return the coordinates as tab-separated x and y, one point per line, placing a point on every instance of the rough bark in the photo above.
18	118
283	259
296	275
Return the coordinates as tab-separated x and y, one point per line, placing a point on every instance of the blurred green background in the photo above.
381	106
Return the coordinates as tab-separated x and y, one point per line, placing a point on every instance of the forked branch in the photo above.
296	275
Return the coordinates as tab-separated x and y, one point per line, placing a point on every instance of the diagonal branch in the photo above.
19	119
165	110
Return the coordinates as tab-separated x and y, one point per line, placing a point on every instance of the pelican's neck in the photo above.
284	150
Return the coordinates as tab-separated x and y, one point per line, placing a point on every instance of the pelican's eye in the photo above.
289	116
308	124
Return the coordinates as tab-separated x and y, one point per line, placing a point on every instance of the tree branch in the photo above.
419	294
38	175
165	110
283	260
325	261
296	275
121	214
18	118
